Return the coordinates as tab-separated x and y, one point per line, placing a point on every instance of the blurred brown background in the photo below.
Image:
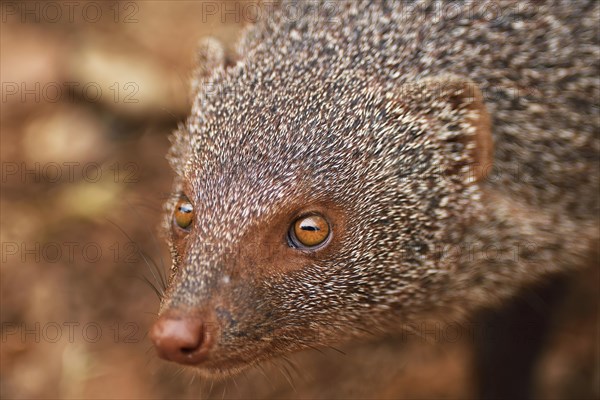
90	92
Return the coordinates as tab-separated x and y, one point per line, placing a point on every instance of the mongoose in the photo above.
355	166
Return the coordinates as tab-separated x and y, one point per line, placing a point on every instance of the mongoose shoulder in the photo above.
358	165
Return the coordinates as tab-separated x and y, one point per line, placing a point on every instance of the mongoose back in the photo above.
359	165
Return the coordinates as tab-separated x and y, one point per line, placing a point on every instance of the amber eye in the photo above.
309	232
184	213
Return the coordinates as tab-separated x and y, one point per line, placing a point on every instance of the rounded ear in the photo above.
468	96
456	105
464	97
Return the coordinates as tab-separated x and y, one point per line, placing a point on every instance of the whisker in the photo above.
210	390
224	391
154	288
163	281
286	374
141	253
234	381
179	372
294	367
314	348
261	369
146	281
245	374
336	349
153	237
175	118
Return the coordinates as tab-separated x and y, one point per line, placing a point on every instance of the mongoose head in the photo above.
310	208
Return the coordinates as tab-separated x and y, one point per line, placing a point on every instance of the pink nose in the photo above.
182	340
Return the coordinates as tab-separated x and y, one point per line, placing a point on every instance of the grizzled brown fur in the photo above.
380	116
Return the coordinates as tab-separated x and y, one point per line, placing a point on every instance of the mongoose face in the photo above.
309	215
323	180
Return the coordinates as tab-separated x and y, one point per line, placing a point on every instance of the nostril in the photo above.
188	349
183	340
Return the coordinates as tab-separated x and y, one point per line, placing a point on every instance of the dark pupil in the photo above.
311	228
185	208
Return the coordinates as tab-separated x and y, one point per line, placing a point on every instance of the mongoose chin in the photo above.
342	175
